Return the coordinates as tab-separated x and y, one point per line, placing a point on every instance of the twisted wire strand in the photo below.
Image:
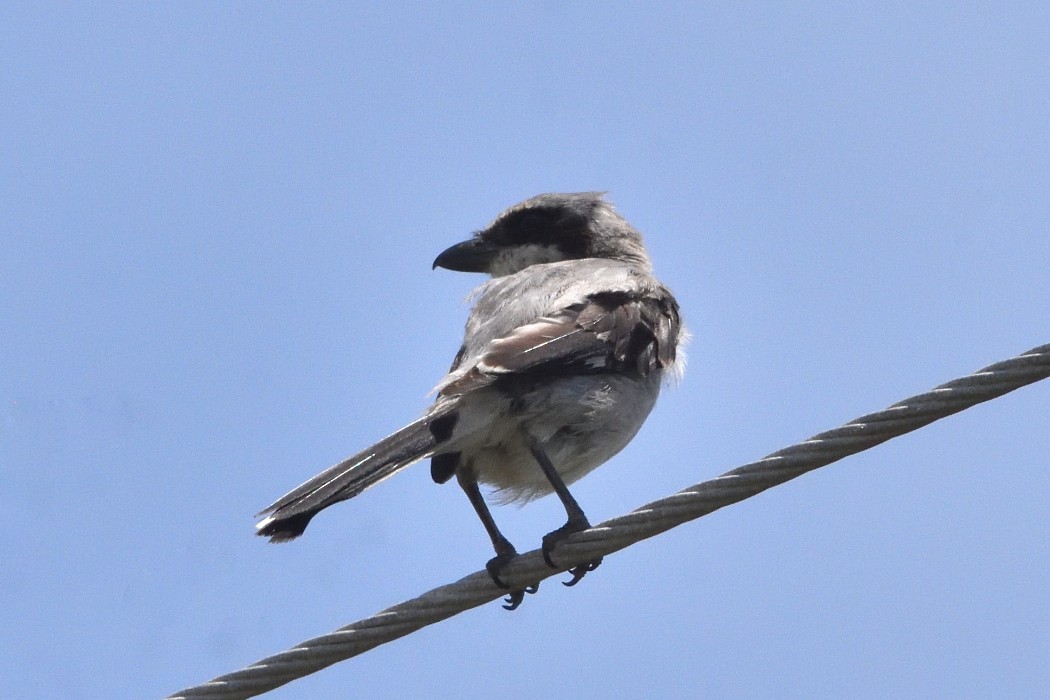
642	523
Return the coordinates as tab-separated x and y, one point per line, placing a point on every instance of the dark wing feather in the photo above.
608	332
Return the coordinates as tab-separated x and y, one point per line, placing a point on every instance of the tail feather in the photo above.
288	517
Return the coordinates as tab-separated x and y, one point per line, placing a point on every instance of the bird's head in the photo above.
548	228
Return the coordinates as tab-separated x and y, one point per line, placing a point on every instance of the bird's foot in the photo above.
551	540
495	565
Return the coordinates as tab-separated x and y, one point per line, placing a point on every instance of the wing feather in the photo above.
607	332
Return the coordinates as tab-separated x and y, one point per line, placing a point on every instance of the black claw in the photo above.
578	572
577	576
495	565
514	598
550	542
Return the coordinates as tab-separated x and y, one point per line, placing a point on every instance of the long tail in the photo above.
288	517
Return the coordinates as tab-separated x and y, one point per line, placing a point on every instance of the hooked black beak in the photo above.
474	255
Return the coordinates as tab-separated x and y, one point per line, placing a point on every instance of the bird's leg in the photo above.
505	551
577	519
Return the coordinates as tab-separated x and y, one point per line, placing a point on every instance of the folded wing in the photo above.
618	331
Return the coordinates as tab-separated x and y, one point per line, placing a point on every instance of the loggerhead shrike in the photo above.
562	360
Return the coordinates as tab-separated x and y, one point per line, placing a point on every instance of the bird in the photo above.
563	356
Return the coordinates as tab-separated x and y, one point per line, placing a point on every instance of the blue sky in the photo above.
218	221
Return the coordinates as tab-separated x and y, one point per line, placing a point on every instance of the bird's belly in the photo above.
579	423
